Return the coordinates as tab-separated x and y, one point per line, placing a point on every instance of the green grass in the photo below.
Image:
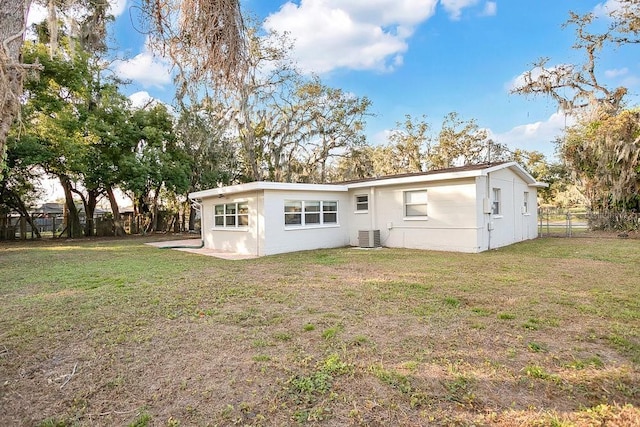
115	332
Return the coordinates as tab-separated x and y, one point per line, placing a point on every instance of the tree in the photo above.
330	124
409	145
202	133
602	149
462	143
17	190
12	71
205	39
55	109
289	127
576	88
211	31
158	163
113	136
605	157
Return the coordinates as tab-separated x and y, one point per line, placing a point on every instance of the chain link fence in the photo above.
568	223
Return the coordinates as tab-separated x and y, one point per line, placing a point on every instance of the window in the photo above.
525	203
415	203
231	215
293	213
495	207
329	212
362	203
310	212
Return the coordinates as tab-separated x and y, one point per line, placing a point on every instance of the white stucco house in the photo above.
465	209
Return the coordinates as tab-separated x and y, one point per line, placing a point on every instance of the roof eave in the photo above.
416	179
264	185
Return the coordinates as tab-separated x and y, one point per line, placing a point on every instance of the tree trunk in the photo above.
248	137
90	210
192	218
24	212
115	210
153	223
13	19
74	229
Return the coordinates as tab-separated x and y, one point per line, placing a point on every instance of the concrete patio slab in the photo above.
192	247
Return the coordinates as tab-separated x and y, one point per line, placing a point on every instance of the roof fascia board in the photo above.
521	172
265	185
416	179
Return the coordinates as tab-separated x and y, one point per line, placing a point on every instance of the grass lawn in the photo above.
115	332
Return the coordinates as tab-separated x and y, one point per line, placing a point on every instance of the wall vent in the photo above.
369	238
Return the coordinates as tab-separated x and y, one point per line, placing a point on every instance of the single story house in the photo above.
464	209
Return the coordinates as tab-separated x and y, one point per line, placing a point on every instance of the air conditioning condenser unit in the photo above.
369	238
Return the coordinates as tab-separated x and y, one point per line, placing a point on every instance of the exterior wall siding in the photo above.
512	224
242	240
450	223
279	238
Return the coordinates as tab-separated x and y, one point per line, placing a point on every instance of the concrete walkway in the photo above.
202	251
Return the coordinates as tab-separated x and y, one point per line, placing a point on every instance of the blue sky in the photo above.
414	57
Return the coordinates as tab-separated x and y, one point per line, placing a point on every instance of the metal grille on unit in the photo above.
369	238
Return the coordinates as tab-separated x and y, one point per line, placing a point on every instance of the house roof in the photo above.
431	172
468	171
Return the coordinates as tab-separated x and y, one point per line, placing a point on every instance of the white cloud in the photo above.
117	7
359	34
144	68
538	136
490	9
616	72
141	99
454	7
605	9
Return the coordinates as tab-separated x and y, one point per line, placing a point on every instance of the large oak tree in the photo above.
204	37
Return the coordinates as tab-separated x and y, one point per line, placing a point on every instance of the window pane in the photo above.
312	218
416	210
230	220
329	206
293	206
330	218
243	220
219	209
243	208
412	197
415	203
230	208
362	203
312	206
293	219
219	221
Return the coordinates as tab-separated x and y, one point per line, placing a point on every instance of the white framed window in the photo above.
231	215
525	203
415	204
362	202
329	212
496	204
310	213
